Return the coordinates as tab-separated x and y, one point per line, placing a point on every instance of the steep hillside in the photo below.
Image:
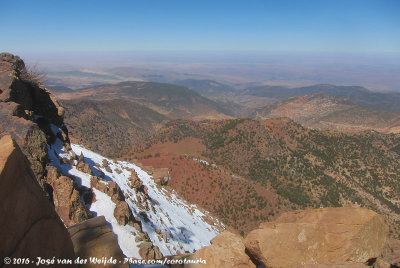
110	126
52	184
238	202
308	168
207	88
170	100
141	213
328	112
361	96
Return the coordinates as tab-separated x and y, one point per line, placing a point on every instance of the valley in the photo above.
169	173
200	134
287	148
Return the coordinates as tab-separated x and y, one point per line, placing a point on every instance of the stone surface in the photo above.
226	250
66	198
149	252
318	236
122	213
26	111
30	226
82	166
391	251
94	238
135	181
110	188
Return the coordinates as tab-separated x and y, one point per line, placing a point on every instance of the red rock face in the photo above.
30	226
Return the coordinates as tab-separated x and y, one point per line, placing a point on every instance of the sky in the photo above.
322	26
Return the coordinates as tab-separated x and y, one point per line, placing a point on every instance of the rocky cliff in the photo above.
37	201
27	111
31	115
29	225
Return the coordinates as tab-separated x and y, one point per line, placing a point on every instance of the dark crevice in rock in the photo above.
254	260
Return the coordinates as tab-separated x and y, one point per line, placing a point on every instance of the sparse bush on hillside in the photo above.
33	75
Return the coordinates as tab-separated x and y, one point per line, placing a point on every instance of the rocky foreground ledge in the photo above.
29	225
328	237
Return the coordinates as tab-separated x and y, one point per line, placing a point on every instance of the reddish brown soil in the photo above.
234	200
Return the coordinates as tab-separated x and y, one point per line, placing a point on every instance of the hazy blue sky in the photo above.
271	26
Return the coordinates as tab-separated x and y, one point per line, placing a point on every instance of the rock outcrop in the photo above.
149	252
227	250
29	225
66	198
34	118
122	212
94	239
318	237
26	112
83	166
29	220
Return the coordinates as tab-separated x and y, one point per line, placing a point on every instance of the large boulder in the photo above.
227	250
29	225
318	236
94	239
149	252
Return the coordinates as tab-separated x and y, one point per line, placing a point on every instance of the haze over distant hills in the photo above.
378	72
234	133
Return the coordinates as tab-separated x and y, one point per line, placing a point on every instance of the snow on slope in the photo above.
184	225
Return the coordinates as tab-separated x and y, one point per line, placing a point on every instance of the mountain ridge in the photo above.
360	95
323	111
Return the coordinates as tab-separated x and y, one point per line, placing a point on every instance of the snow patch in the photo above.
182	223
